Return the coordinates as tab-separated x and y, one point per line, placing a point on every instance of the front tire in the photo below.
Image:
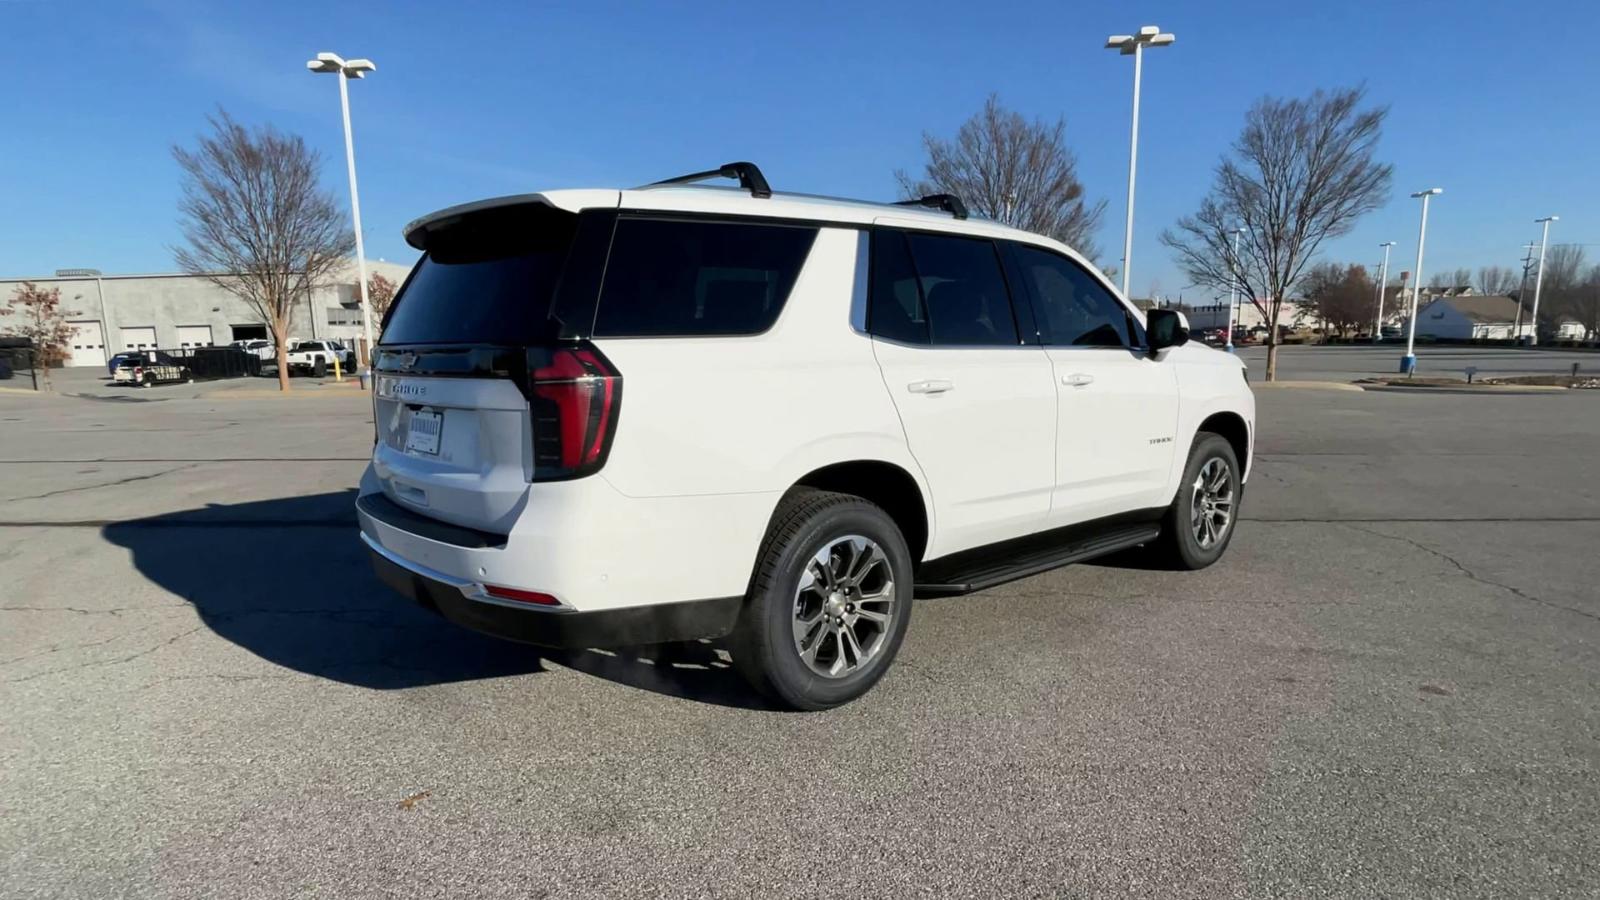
828	604
1200	522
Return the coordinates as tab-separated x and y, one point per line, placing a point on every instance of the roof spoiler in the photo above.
748	174
950	203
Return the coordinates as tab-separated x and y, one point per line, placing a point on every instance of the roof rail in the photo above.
950	203
748	174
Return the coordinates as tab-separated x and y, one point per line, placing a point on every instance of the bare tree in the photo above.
1563	266
1301	171
257	223
1498	280
42	321
1569	289
1344	297
1012	171
380	293
1583	303
1450	280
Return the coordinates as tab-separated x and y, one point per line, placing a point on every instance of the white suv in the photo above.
682	412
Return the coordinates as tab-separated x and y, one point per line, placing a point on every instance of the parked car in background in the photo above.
317	357
115	362
671	413
260	348
150	367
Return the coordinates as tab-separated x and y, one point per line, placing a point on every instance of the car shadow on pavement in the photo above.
288	579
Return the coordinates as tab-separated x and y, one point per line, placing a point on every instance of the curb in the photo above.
1309	385
1503	389
260	394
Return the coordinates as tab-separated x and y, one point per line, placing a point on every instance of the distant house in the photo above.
1473	316
1568	328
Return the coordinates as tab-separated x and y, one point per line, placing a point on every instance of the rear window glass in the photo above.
963	291
667	277
488	278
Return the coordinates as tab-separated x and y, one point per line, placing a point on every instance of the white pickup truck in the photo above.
317	357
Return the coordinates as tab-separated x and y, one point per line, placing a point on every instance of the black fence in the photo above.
211	362
16	355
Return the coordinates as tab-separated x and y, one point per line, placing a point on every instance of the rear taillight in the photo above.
574	396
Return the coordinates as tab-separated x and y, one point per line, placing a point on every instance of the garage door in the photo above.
138	339
194	335
85	348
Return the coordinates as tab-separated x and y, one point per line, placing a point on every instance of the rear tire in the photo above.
147	380
829	602
1200	522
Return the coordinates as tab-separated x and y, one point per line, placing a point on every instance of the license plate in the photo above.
422	435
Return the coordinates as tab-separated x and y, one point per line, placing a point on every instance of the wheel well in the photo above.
884	484
1232	428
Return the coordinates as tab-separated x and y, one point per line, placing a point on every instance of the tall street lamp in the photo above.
1408	363
1538	278
331	63
1233	289
1133	45
1383	283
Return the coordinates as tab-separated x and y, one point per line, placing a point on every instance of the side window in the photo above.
894	306
1075	310
963	291
668	277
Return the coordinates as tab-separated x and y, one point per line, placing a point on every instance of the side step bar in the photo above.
986	567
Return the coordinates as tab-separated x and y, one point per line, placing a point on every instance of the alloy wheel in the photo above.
1211	507
844	606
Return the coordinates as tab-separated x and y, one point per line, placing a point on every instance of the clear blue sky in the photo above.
1487	99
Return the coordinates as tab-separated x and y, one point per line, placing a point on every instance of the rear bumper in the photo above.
563	628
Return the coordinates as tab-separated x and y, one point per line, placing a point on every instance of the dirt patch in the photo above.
1578	382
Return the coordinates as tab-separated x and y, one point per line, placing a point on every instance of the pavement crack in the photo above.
113	611
1473	576
104	484
99	663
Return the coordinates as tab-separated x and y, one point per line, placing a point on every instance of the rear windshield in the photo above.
487	279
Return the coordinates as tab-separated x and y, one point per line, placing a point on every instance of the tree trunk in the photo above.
1272	355
280	340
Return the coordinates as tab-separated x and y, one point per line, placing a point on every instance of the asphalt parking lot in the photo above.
1390	686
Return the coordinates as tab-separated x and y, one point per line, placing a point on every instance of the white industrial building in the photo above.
1474	316
113	313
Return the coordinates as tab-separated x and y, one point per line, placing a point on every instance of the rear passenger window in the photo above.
963	291
1073	307
895	309
680	278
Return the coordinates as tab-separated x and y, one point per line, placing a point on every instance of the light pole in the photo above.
1538	277
1408	363
1133	45
1383	283
1233	289
355	68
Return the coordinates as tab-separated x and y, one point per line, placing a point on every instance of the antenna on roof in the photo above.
950	203
748	174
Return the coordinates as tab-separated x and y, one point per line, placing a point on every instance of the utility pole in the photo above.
1527	266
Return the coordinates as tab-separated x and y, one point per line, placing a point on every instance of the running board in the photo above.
986	567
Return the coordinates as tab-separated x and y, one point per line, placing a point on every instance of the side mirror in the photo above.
1165	328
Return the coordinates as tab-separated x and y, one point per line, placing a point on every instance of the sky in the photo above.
1491	101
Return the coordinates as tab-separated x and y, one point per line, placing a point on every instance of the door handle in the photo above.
1078	379
931	386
